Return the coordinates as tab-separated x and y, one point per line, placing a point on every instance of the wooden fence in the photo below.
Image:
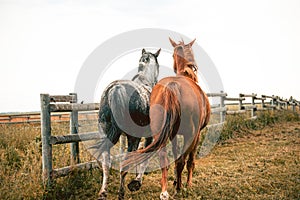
251	103
68	103
63	103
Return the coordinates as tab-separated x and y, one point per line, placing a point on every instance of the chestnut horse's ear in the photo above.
192	42
157	53
143	51
172	42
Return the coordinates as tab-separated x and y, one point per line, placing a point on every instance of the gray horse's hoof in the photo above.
134	185
175	183
102	197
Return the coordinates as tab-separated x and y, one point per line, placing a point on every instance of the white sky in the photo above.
255	45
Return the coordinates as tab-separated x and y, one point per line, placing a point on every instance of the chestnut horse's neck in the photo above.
184	62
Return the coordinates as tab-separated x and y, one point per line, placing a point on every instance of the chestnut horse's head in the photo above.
184	62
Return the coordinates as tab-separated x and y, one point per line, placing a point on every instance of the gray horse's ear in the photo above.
143	51
157	53
173	43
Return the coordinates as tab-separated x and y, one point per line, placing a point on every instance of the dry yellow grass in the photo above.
254	160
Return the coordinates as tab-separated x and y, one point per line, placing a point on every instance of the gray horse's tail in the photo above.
112	118
119	105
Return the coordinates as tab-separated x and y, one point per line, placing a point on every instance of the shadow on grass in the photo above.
78	185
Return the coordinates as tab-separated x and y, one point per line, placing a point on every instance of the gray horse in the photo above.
124	109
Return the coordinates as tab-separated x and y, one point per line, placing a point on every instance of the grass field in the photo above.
256	159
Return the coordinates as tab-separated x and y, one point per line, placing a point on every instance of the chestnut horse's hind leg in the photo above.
175	155
190	166
179	166
191	161
164	195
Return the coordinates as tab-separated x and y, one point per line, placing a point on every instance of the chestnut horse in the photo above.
178	106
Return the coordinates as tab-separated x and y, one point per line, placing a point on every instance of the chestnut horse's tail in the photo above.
167	97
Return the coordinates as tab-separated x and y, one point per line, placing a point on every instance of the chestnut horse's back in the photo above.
194	106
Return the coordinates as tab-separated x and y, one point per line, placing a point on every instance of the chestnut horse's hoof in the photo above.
164	195
134	185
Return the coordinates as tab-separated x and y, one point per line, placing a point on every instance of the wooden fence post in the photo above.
262	102
74	130
278	103
293	107
45	135
253	109
241	102
222	104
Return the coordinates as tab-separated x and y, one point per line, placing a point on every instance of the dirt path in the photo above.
263	164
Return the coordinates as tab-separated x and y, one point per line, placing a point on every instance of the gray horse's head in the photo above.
148	66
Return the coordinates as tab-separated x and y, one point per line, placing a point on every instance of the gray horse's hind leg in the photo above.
136	184
132	146
105	167
106	143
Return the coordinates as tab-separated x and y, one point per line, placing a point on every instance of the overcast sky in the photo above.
255	45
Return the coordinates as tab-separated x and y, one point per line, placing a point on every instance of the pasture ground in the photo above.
253	160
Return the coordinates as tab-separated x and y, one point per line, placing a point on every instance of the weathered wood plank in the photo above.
259	98
282	101
62	139
292	103
63	98
22	122
216	94
268	96
214	106
262	109
269	106
232	112
222	104
5	118
45	135
74	107
218	110
234	99
248	95
74	147
64	171
250	107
